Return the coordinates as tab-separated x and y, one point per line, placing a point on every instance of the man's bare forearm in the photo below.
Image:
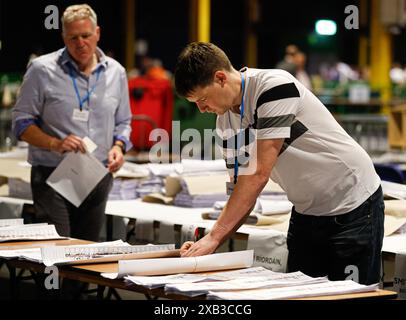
239	206
38	138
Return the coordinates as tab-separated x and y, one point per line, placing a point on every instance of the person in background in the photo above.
300	61
338	214
288	63
67	95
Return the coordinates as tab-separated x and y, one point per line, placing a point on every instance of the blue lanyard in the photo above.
239	137
89	93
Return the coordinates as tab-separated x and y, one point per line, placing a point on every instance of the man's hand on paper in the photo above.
206	245
70	144
116	159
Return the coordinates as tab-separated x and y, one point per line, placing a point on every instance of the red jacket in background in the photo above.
150	98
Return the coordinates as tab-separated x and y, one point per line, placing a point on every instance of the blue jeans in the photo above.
347	245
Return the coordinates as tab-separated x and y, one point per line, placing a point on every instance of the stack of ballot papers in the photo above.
188	167
29	232
91	253
243	281
11	222
201	191
393	190
153	184
265	212
124	189
132	170
254	219
199	167
263	206
327	288
165	169
35	255
97	254
199	284
212	262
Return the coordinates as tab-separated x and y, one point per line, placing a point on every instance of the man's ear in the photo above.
220	77
98	33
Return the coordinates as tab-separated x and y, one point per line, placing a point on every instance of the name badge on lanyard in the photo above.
231	185
82	116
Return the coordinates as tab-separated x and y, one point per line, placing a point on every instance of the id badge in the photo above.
230	188
82	116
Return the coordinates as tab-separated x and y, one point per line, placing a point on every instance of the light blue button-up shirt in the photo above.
48	99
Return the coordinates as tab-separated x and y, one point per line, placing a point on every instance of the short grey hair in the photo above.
78	12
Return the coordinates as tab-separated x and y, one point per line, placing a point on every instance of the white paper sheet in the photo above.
76	176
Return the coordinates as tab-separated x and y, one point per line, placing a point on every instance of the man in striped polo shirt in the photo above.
271	126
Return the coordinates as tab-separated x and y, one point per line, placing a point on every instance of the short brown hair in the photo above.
196	66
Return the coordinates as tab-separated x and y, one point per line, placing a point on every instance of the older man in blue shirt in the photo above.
67	95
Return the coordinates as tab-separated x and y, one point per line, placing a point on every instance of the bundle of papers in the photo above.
11	222
244	282
184	199
253	218
132	170
164	170
199	167
264	206
302	291
265	212
34	254
124	189
188	167
153	282
213	262
151	185
90	253
97	254
393	190
27	232
200	192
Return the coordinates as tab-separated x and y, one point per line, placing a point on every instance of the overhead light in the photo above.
326	27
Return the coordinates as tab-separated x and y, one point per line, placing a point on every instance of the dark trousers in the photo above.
84	222
340	247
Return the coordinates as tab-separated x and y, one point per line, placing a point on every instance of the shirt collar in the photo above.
66	59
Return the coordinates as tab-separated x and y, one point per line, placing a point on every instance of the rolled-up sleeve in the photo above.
123	115
30	100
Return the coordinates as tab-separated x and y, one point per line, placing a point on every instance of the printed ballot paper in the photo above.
78	174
